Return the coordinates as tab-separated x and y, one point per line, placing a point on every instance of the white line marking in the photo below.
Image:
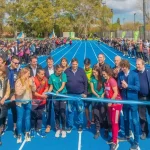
85	51
75	53
105	54
79	141
93	51
22	145
116	54
65	54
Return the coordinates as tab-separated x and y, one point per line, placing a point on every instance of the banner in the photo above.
69	34
52	35
136	35
20	35
123	34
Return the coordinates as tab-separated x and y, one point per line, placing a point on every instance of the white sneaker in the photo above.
19	139
27	137
63	134
57	134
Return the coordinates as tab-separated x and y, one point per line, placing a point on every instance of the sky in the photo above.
125	9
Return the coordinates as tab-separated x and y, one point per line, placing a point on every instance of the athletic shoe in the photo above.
57	134
97	134
143	136
123	139
15	132
88	125
111	141
19	139
134	147
41	133
69	130
32	133
63	134
114	146
27	137
80	128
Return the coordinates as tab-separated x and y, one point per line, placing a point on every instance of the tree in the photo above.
118	21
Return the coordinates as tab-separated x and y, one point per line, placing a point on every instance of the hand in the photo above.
124	84
44	96
2	101
109	104
98	96
57	92
12	98
83	95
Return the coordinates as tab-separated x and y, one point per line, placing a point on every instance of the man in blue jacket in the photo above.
77	85
128	82
144	95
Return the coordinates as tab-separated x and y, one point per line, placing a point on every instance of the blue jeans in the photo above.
25	109
79	105
135	120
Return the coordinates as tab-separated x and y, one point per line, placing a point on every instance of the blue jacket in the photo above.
76	83
131	93
148	76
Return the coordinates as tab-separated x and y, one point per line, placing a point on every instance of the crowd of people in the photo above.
24	48
26	89
130	48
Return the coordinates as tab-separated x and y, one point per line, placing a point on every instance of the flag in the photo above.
52	35
136	35
123	34
20	35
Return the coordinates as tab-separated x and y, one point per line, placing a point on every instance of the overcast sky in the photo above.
125	9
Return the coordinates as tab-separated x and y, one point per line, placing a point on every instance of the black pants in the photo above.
48	110
142	114
36	116
100	116
12	106
60	114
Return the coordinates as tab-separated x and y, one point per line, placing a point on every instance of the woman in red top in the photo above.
112	92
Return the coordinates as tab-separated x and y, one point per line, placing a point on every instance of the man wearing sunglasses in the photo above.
12	76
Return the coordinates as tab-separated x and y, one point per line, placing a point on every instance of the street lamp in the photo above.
134	19
124	20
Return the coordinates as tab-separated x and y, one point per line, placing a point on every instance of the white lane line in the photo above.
65	54
22	145
75	53
53	54
79	140
85	51
93	51
116	54
105	54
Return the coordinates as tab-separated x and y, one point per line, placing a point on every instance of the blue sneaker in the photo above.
41	133
32	133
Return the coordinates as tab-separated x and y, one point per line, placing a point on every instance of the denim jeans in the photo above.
79	105
24	109
135	120
48	110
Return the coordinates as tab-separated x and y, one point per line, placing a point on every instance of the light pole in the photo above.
144	20
134	19
103	3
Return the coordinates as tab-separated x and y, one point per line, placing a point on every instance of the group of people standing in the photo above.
26	89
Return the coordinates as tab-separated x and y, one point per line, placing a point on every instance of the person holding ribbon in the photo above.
100	111
57	83
24	87
4	95
112	92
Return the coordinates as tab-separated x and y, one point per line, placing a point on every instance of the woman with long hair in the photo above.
4	95
64	63
57	83
100	110
24	87
112	92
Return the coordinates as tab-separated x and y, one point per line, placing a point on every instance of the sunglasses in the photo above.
16	63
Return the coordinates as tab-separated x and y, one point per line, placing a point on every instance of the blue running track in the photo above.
74	140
